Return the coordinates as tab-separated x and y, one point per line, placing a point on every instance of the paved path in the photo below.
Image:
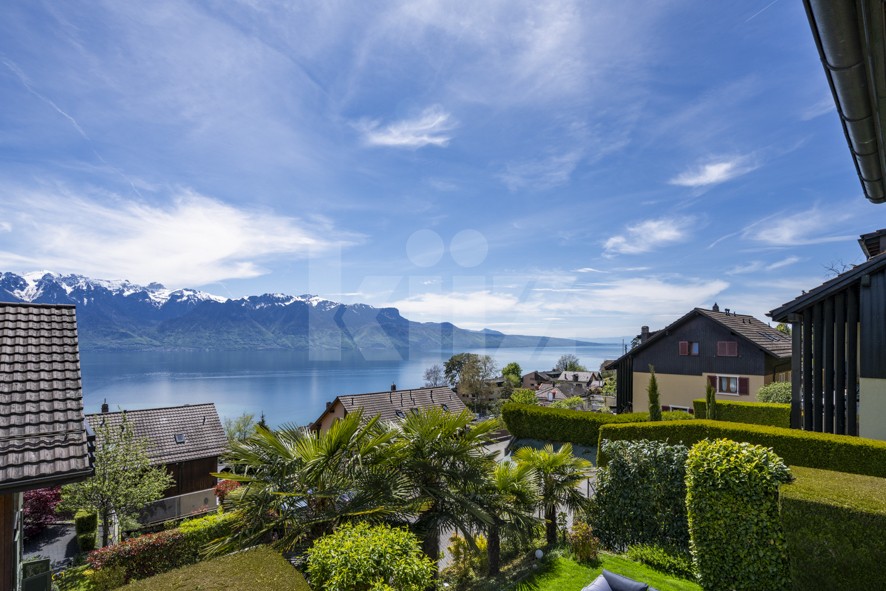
57	543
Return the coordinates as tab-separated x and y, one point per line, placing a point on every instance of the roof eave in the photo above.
22	485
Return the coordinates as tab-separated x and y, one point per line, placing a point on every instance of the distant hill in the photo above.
119	315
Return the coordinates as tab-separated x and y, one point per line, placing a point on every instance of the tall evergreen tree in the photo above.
710	396
654	399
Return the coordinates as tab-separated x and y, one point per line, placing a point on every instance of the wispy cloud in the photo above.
822	107
648	235
813	226
431	128
191	239
589	270
715	172
545	173
755	266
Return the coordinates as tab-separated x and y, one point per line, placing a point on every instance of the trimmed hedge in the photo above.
85	521
833	524
754	413
525	421
735	532
257	568
840	453
152	554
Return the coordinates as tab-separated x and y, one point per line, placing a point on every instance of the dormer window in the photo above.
179	437
400	413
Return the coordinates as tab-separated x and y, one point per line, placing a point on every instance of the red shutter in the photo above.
684	347
727	349
721	348
743	386
712	380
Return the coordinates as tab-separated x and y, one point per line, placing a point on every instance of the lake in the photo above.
288	386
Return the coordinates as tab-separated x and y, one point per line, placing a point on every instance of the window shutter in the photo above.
721	348
727	348
743	386
712	380
684	347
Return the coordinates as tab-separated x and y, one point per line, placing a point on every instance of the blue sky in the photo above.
562	168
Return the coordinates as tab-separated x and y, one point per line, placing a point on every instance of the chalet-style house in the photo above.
548	394
188	441
735	353
390	405
578	383
534	379
43	438
839	332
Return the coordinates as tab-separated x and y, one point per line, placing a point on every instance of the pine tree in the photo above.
654	401
710	396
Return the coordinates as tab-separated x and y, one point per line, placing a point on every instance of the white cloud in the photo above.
715	172
191	240
5	227
802	228
430	128
648	235
589	270
783	263
546	173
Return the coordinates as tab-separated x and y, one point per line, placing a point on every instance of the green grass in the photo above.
562	573
259	568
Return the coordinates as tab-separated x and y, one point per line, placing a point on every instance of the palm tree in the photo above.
558	475
443	457
511	495
298	484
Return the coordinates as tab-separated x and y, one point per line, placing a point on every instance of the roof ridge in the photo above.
137	410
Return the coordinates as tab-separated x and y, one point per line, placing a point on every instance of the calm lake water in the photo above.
288	386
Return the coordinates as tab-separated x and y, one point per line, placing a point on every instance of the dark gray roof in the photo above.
204	436
760	334
43	440
386	404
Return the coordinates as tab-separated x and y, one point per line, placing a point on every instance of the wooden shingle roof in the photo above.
174	433
392	405
43	439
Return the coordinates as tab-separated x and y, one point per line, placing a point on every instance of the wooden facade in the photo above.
8	541
192	476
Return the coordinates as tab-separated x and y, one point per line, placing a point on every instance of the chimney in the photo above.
644	334
105	407
328	404
716	308
393	387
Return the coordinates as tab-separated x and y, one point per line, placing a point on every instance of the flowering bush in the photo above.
224	488
38	509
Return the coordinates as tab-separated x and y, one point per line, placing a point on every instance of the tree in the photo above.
572	403
477	381
297	484
369	558
569	362
453	367
654	400
240	428
124	481
783	328
775	392
510	496
434	376
609	385
38	508
443	457
710	396
513	373
524	396
558	477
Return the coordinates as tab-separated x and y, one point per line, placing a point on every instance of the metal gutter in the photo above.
847	35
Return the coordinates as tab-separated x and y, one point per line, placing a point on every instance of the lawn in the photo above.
564	574
259	568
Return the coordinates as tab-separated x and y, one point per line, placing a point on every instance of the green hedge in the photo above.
258	568
525	421
734	527
754	413
840	453
85	521
833	524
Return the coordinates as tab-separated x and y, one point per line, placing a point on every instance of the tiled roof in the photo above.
42	436
761	334
582	376
204	436
387	404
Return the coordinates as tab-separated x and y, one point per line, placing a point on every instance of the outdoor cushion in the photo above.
598	584
620	583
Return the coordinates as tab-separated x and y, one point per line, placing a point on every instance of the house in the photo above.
578	383
534	379
43	438
390	405
188	441
735	353
839	332
547	394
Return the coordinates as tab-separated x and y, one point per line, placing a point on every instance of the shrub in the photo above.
38	508
641	495
573	402
359	556
654	399
86	541
840	453
663	559
524	396
732	505
85	521
152	554
572	426
465	561
828	520
775	392
108	578
585	545
224	488
752	413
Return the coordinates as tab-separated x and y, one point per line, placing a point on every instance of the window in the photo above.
732	385
400	413
445	407
727	348
179	437
689	348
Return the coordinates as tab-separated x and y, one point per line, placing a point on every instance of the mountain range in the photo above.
120	315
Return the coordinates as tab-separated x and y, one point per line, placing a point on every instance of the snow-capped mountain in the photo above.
125	315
